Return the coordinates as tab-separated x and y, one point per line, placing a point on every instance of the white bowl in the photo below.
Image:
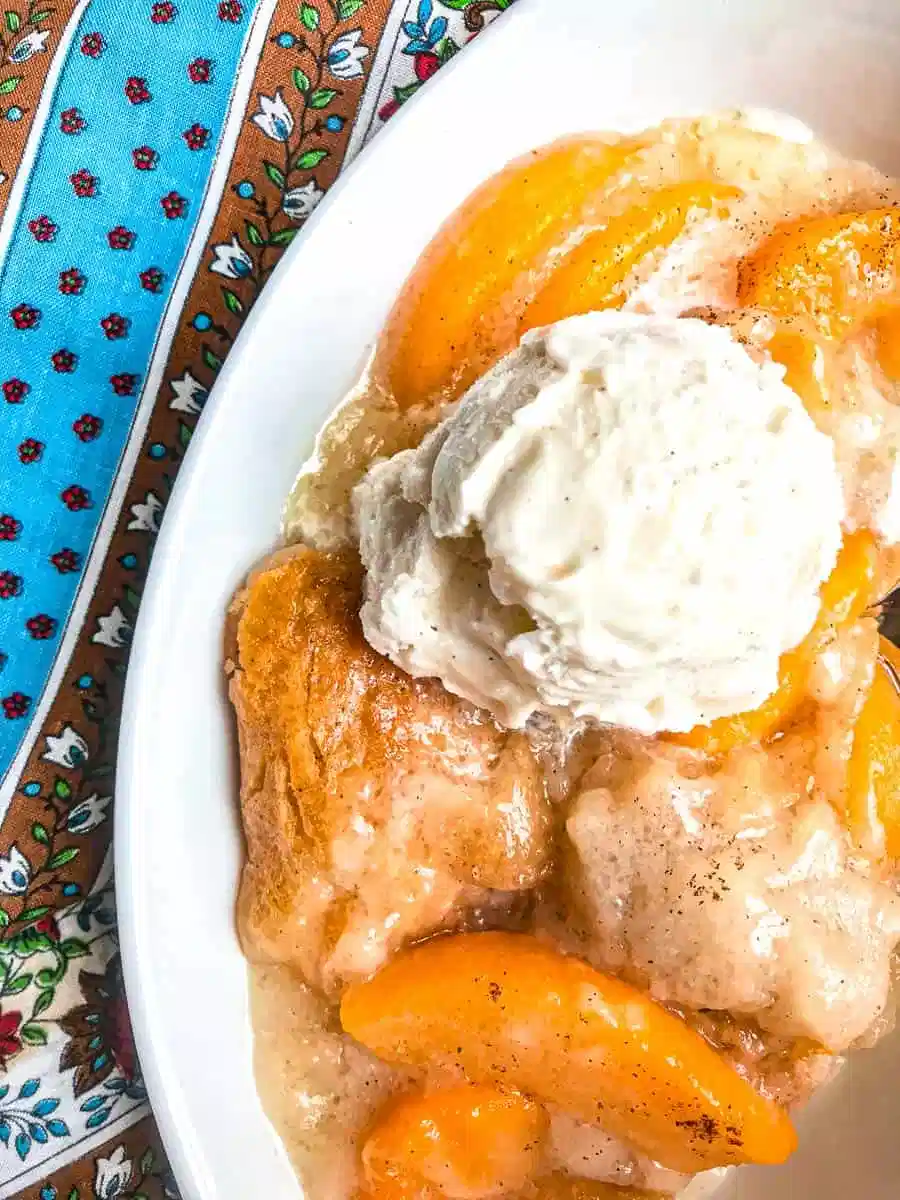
549	67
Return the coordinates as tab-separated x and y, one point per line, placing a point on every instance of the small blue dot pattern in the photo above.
93	257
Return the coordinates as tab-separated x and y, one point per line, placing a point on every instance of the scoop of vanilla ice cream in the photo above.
627	519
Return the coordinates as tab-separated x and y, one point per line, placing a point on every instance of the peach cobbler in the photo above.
570	748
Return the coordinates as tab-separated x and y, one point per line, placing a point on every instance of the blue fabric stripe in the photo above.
124	196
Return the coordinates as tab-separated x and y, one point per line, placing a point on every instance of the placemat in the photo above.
157	157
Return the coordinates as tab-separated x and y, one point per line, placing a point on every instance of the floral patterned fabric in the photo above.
156	159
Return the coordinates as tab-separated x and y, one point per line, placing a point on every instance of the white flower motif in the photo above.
113	630
299	202
3	177
15	872
231	260
88	814
113	1175
29	46
67	748
190	394
146	516
346	55
274	118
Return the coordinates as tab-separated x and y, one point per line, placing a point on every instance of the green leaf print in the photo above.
10	85
232	303
34	914
310	158
19	984
283	237
13	22
43	1002
274	174
322	97
74	948
309	15
62	857
254	237
301	80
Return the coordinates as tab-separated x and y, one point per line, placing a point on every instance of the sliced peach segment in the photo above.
838	269
462	1143
507	1009
846	594
873	777
459	309
802	355
887	329
592	275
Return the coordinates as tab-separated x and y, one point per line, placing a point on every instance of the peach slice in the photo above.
846	594
887	331
873	776
505	1008
459	309
838	269
803	357
593	274
462	1143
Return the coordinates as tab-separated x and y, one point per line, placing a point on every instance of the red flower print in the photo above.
84	183
426	64
41	627
114	326
16	705
10	1042
162	13
66	561
151	279
75	498
87	427
24	316
30	450
42	229
64	361
173	205
145	158
15	390
48	926
10	585
92	45
120	238
71	121
200	70
124	384
230	10
71	282
136	90
196	137
10	528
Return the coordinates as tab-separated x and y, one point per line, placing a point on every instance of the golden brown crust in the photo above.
363	792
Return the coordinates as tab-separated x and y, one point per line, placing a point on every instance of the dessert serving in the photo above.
570	748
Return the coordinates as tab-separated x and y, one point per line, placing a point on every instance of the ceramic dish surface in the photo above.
547	68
